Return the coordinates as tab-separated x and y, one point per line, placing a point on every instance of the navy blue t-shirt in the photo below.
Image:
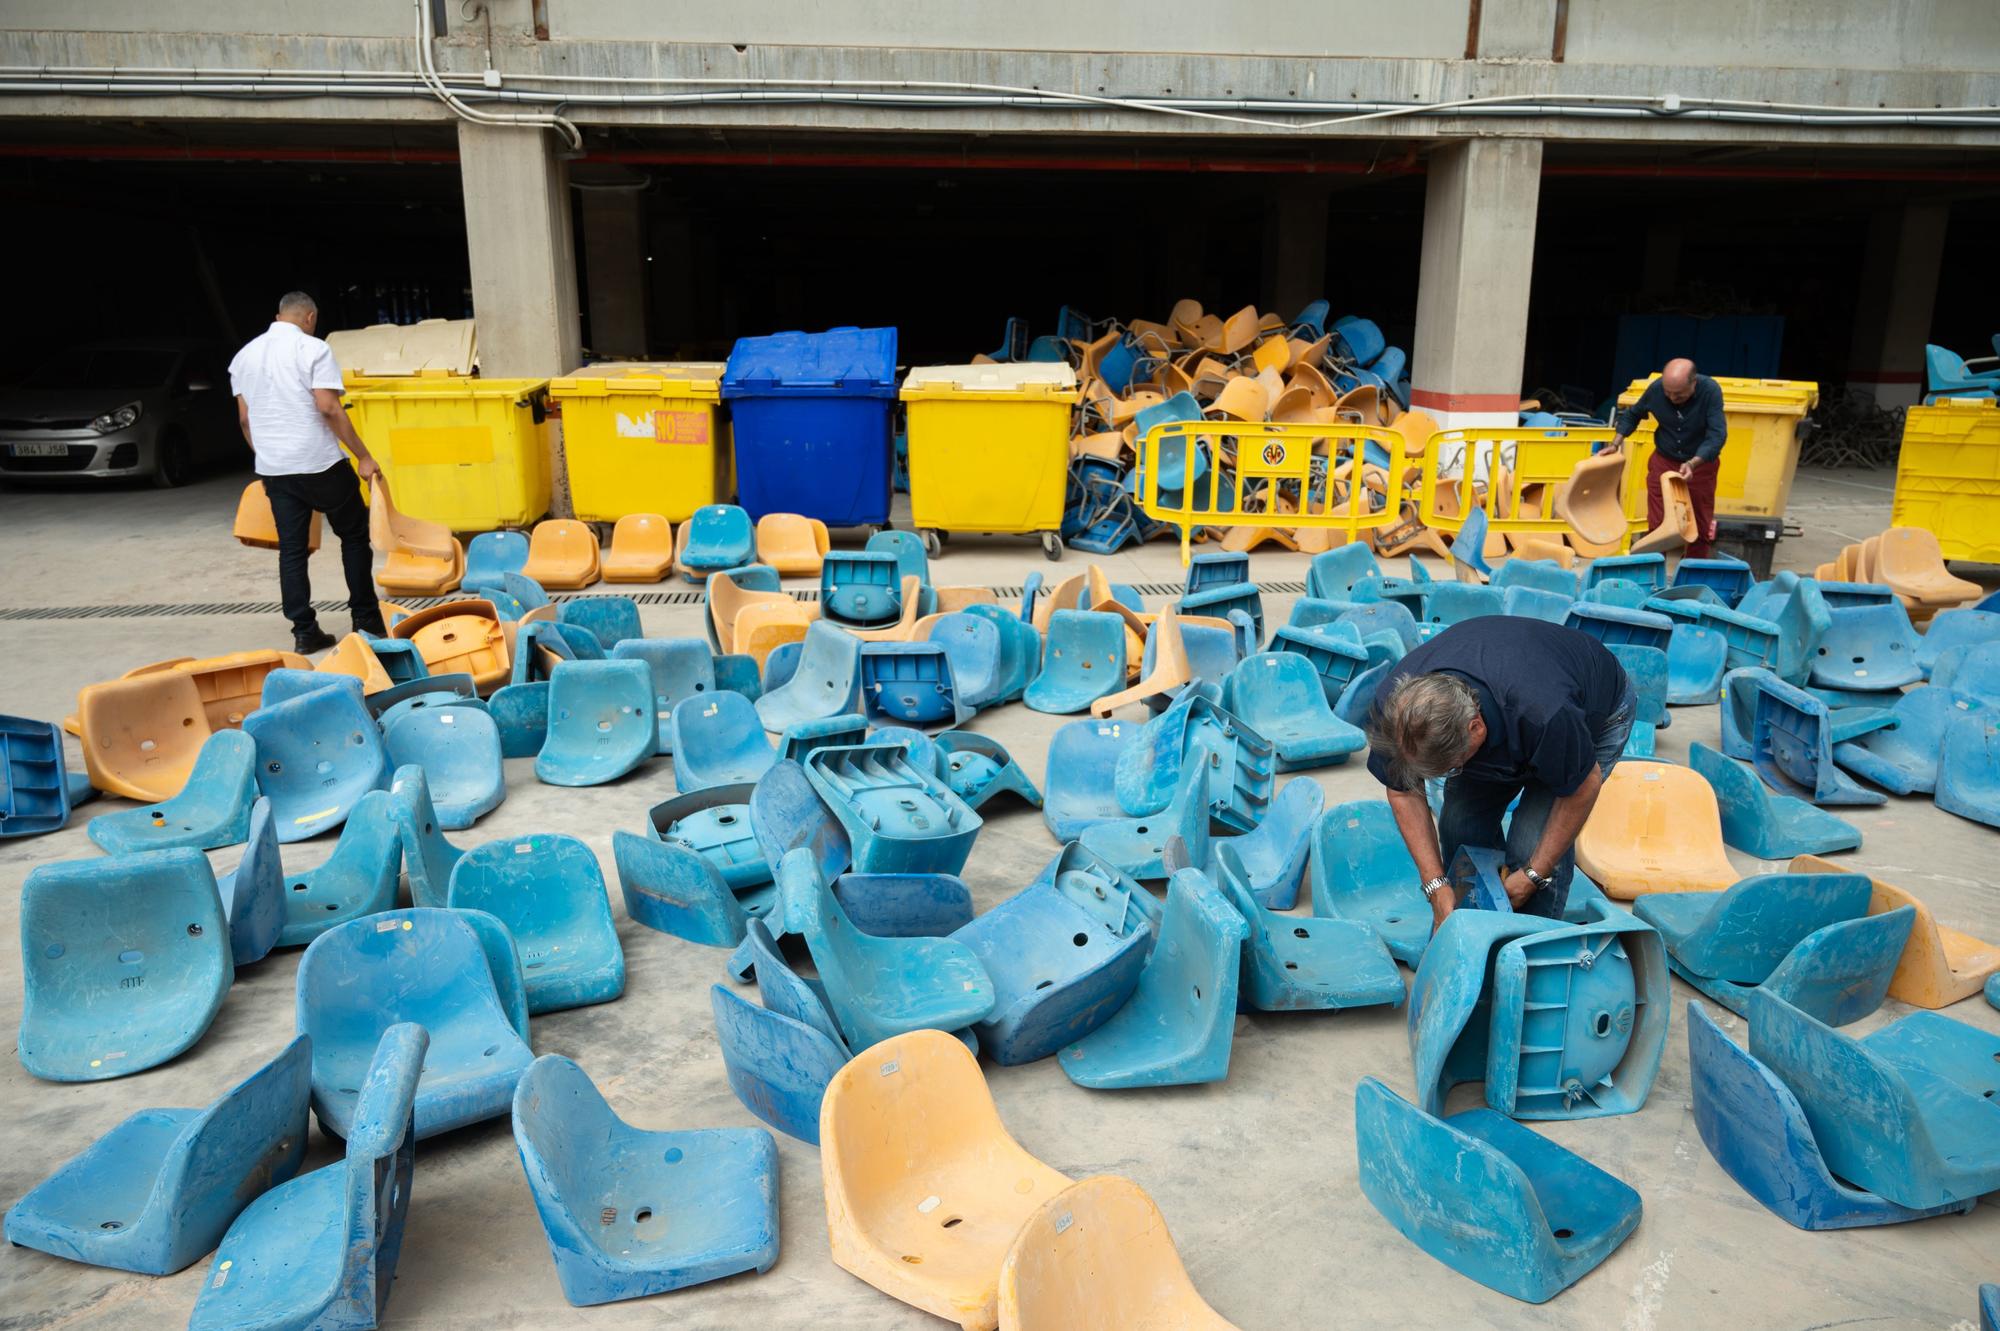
1544	691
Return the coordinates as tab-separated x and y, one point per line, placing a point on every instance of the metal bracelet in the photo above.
1435	885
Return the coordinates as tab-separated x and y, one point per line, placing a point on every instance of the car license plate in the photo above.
40	450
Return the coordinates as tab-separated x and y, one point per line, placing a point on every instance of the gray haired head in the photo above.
296	304
1423	728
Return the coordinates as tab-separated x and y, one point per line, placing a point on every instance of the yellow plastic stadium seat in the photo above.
73	723
1362	403
925	1189
1171	667
728	599
140	735
1098	1254
763	626
1416	427
1677	522
422	558
353	656
904	629
792	544
1910	561
1241	399
1312	354
1065	595
1309	378
1529	545
950	599
1273	353
642	549
1182	317
256	527
1655	828
1239	330
562	555
1592	501
232	686
461	637
1939	966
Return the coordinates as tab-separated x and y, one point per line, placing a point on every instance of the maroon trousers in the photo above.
1701	492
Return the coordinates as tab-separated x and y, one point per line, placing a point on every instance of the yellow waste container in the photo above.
458	448
1759	457
1948	477
989	449
644	438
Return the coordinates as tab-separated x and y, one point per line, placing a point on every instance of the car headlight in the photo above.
120	419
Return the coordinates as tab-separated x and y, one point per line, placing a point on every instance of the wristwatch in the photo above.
1538	880
1436	885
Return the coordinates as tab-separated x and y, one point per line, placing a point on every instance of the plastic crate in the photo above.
1948	477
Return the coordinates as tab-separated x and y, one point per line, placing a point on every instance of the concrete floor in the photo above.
1256	1175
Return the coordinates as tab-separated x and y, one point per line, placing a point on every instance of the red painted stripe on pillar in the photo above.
1432	400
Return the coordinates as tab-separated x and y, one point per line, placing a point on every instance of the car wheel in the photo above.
173	463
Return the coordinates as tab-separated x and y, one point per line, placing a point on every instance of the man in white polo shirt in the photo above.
287	388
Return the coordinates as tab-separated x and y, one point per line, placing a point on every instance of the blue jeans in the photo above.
1474	811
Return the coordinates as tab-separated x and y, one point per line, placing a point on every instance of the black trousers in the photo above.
335	492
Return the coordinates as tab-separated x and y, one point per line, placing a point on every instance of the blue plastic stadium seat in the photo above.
1610	623
492	553
826	683
1560	1020
424	691
861	588
513	595
437	969
157	1192
1455	602
716	825
1303	963
630	1213
1792	739
1621	592
1080	789
780	1056
1197	729
212	809
1391	616
1332	575
1281	696
1646	668
1177	1027
1357	701
908	548
978	767
899	818
1219	568
283	685
95	933
1867	647
1649	571
801	738
1468	549
1768	826
1800	613
317	755
1729	578
1083	661
787	813
1361	339
673	889
320	1250
609	619
680	668
878	987
1738	697
1904	759
1741	934
600	722
1217	603
1362	872
1697	655
1848	595
1063	954
780	663
718	741
1545	1216
253	893
459	750
1543	575
549	892
1971	672
1271	855
1752	1124
428	855
1948	376
1137	846
1969	769
973	645
717	536
1935	1079
358	879
1753	641
1965	627
1020	652
34	780
1989	1303
1534	603
910	683
1335	657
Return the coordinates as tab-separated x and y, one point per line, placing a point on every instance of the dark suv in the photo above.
155	409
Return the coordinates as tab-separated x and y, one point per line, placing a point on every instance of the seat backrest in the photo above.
924	1092
317	755
1274	686
255	1111
562	543
1592	500
492	553
1846	1091
781	989
546	888
643	535
142	735
1456	602
1098	1254
911	561
1398	1143
1754	924
566	1133
358	979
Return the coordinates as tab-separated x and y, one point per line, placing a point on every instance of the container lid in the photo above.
841	362
1782	396
430	346
1040	381
456	387
698	379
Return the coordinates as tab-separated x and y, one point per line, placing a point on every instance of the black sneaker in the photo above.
307	641
371	625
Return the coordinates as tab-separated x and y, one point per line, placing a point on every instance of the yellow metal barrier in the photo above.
1512	474
1267	474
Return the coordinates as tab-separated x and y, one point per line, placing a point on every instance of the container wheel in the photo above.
1052	545
933	543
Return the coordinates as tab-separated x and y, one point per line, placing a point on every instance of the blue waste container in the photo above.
812	419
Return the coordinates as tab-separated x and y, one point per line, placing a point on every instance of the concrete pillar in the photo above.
614	255
1295	248
1892	319
1472	289
523	252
